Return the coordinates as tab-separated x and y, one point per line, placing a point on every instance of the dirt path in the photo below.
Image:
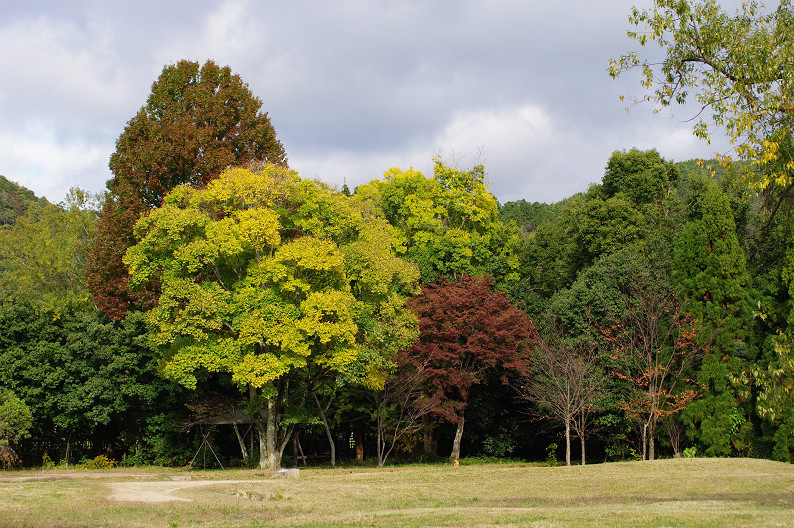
159	491
139	490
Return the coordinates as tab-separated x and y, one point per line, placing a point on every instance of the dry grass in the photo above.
693	492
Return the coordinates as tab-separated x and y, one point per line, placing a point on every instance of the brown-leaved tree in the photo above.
467	331
198	121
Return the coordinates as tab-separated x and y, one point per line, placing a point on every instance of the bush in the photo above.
8	458
551	456
99	462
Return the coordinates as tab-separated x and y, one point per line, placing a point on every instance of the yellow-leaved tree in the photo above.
263	275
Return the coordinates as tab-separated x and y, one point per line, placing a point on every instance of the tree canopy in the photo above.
264	274
198	121
466	331
739	69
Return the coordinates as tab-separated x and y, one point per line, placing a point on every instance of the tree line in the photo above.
646	316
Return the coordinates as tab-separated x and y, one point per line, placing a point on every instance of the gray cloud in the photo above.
352	87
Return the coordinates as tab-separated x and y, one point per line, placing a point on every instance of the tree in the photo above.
43	254
709	269
466	331
566	384
15	418
88	382
739	68
449	223
776	397
14	201
264	275
197	122
399	407
651	344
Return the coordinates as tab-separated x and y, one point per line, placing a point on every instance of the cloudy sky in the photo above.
352	87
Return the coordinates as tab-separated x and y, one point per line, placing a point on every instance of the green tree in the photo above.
710	268
14	201
15	418
710	272
43	255
88	382
776	398
197	122
265	275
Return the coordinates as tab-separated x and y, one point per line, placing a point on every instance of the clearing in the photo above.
690	492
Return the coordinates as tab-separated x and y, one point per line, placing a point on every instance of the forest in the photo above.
213	300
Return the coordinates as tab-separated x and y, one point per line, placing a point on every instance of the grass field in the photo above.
674	493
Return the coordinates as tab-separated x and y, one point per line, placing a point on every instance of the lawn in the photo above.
684	492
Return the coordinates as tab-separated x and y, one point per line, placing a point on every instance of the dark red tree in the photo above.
197	122
467	331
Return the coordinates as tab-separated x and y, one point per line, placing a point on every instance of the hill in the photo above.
14	200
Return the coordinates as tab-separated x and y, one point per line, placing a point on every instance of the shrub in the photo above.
99	462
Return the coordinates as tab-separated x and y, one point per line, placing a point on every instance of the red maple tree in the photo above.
467	330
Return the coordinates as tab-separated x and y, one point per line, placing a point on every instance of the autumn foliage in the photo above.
197	122
467	331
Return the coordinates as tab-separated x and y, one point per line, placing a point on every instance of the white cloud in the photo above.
63	70
37	160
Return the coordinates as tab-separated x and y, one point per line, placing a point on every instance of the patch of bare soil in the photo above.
159	491
73	475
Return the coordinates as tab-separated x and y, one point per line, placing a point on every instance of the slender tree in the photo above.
651	344
566	385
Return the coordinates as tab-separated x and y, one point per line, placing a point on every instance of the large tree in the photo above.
710	272
263	276
449	223
198	121
467	331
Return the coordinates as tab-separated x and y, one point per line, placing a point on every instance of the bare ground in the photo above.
139	491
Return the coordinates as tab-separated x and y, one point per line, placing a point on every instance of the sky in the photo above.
352	87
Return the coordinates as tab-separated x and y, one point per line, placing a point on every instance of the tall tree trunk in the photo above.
272	453
261	427
651	443
567	441
327	428
455	456
260	422
581	439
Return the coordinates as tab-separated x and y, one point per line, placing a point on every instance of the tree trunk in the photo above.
651	443
360	445
455	456
427	435
273	455
581	439
327	428
567	442
644	440
241	441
